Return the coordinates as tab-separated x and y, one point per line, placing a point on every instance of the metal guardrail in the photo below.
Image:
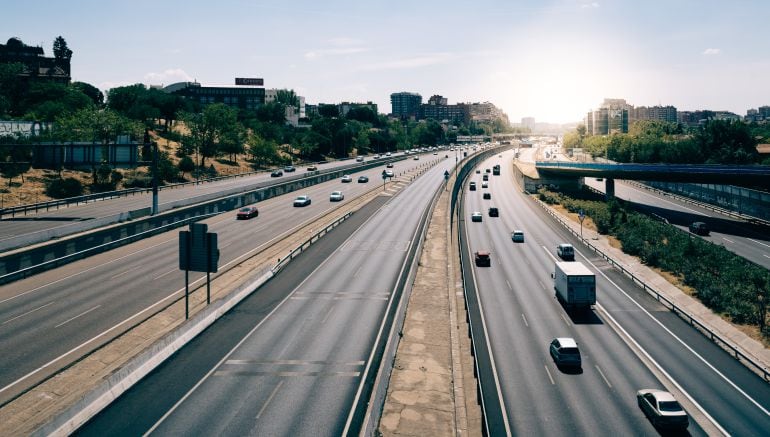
685	199
21	273
282	262
737	353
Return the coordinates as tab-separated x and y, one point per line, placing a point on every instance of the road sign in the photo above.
581	215
198	250
446	174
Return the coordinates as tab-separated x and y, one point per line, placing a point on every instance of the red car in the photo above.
247	212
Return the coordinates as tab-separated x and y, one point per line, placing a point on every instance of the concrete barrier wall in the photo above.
56	253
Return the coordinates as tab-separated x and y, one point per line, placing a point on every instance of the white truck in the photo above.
575	285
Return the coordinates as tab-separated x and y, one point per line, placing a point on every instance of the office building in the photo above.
242	97
405	105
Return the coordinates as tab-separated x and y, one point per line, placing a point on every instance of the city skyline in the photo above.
549	60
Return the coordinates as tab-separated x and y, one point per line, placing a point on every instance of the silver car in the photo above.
302	201
565	352
336	196
662	409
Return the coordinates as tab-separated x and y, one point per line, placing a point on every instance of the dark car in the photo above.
247	212
289	169
566	252
472	186
487	195
493	212
699	228
363	179
482	259
276	173
485	177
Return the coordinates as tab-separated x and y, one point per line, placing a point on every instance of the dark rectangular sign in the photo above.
249	81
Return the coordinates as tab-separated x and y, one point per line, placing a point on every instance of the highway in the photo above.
49	320
522	317
31	223
296	367
744	239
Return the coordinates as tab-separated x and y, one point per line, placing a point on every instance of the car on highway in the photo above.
303	200
565	352
699	228
416	157
599	179
346	178
487	195
246	213
390	165
276	173
389	173
476	216
336	196
485	185
387	154
566	252
517	236
363	179
478	171
312	168
435	153
472	186
494	212
360	159
289	169
488	171
482	258
662	409
485	177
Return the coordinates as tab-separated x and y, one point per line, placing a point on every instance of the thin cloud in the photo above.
589	5
167	76
317	54
409	63
344	41
712	52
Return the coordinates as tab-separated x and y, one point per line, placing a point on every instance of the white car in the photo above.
302	201
336	196
662	409
387	154
389	173
347	178
485	185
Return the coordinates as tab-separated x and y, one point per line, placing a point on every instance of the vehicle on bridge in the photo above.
575	285
699	228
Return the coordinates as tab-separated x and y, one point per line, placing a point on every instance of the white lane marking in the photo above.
729	241
358	270
525	319
327	314
738	389
549	374
541	284
270	398
27	313
81	314
563	317
127	271
766	256
509	285
85	271
602	375
758	242
164	274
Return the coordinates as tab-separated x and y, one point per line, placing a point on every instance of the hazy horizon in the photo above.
553	60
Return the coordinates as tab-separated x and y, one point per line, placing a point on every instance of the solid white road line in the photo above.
602	375
73	318
549	374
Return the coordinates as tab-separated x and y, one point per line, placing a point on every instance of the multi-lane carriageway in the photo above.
628	341
50	320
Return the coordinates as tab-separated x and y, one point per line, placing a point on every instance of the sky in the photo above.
552	60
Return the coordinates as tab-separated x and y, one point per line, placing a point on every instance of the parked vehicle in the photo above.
566	252
482	259
575	285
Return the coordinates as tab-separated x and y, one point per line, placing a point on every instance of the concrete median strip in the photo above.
65	401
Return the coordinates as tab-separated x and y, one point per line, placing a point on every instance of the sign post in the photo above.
446	179
197	252
384	177
581	217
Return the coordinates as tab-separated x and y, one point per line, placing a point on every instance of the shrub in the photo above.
63	188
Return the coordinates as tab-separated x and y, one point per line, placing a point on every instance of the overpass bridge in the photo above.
753	176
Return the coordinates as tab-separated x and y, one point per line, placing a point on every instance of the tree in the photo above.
362	141
287	98
263	152
216	125
329	111
60	50
91	91
271	113
727	142
186	164
46	100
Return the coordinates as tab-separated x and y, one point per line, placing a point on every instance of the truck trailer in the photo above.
575	285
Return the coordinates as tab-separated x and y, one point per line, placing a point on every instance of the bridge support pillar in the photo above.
609	188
